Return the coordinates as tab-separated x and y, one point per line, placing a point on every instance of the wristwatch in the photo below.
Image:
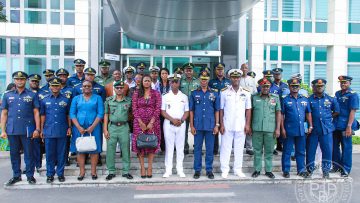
217	124
310	127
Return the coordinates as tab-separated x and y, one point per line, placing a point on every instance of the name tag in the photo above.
11	97
258	100
48	103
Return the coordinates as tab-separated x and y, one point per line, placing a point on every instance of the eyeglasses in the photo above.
295	86
118	88
175	81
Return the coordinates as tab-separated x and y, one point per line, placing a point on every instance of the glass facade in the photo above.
2	46
35	46
35	17
15	46
354	17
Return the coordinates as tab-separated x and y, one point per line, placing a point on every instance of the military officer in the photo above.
251	74
295	108
266	119
269	75
20	122
188	84
39	148
49	74
277	80
204	123
302	91
235	119
219	83
129	76
140	68
116	130
345	125
179	70
97	88
175	110
154	74
78	77
55	127
105	77
323	109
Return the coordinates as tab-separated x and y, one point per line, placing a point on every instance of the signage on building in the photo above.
112	57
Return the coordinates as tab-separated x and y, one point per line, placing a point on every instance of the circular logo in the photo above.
319	189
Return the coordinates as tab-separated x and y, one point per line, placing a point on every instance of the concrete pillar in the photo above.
242	41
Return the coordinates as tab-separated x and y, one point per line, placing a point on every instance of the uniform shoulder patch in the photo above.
283	96
47	95
353	92
223	89
274	95
214	90
246	89
77	84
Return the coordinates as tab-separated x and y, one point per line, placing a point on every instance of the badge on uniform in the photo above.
67	94
304	103
27	99
243	97
126	106
272	102
344	98
62	104
212	97
327	103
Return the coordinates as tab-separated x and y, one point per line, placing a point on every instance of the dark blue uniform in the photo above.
56	111
281	87
294	111
46	88
321	110
19	126
204	105
67	91
347	101
74	80
97	89
273	89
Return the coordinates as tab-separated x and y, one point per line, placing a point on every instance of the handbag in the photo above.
146	141
85	144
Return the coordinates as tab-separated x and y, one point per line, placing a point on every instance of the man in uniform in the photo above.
175	110
251	74
269	75
129	76
266	119
219	83
20	122
79	76
140	68
54	120
180	71
345	125
295	109
323	109
49	74
188	84
109	88
235	119
204	123
39	148
105	77
116	130
97	88
154	74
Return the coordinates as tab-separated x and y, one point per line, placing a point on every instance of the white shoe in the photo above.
181	174
166	175
240	174
224	175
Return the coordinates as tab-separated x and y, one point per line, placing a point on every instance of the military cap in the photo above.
252	74
104	63
319	82
154	69
179	69
55	82
235	73
296	75
19	75
47	72
277	70
90	70
188	65
207	69
264	81
119	83
268	72
219	66
174	76
129	69
343	78
62	71
141	64
78	62
204	75
293	82
34	77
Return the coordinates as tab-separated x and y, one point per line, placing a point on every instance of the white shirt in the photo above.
234	105
175	105
248	83
132	84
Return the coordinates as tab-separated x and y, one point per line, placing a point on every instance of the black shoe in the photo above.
303	174
99	163
275	152
61	179
94	177
270	175
110	176
143	177
255	174
344	174
38	169
67	163
13	180
216	153
128	176
279	148
326	175
210	175
335	170
24	171
286	175
196	175
249	152
80	178
149	176
73	154
186	151
50	179
31	180
292	158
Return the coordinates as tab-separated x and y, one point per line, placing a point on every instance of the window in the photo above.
69	18
320	71
308	26
2	74
290	53
353	54
55	4
35	4
15	64
15	16
15	46
2	46
274	25
354	71
273	53
307	74
307	54
290	69
69	47
321	27
321	54
35	46
321	9
55	18
290	26
354	10
55	47
55	64
291	9
69	4
15	3
68	65
274	8
35	17
35	65
354	28
308	6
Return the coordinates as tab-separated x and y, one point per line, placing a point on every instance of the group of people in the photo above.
131	103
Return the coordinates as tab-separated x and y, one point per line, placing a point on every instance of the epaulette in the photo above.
283	96
7	91
223	89
306	96
246	89
214	90
77	84
48	95
274	95
353	92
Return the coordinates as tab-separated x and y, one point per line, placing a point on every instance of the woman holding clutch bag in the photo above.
86	112
146	109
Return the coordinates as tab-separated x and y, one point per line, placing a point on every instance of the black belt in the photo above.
118	123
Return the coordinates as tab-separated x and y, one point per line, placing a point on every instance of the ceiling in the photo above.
178	22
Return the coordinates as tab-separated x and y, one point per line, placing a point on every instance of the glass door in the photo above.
172	62
134	60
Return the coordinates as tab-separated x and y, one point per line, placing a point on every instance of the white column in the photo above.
242	41
82	30
94	33
337	54
256	41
